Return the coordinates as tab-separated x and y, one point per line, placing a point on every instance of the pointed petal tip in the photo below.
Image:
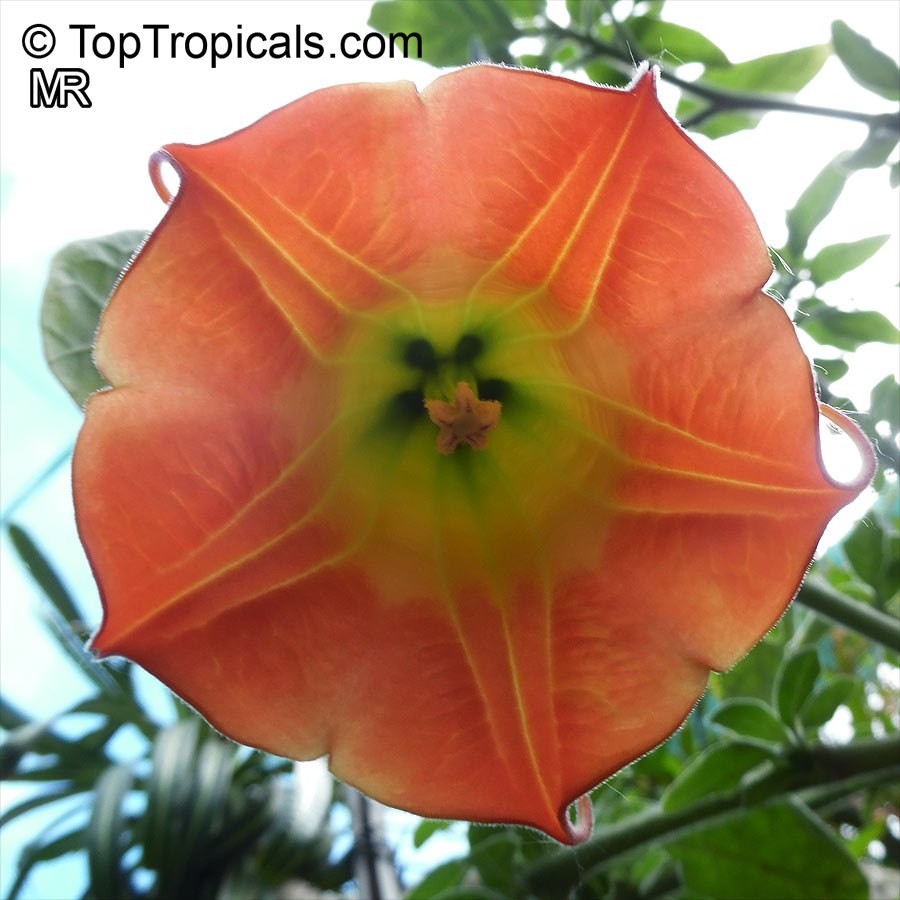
645	78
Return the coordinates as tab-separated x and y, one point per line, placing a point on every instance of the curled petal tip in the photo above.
580	830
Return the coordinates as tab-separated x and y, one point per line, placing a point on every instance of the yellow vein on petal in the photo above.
689	473
347	552
539	214
450	603
522	712
290	469
514	500
579	225
349	257
643	416
273	299
290	261
268	544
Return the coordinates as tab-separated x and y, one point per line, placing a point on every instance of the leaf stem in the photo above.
819	596
721	100
849	767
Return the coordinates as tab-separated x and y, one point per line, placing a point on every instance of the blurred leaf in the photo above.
82	276
847	330
662	40
446	875
781	74
106	836
426	828
39	800
874	150
43	849
752	676
601	72
493	853
875	557
831	262
719	768
830	370
449	27
209	792
44	574
469	892
780	851
10	716
169	797
64	619
895	174
813	206
794	682
884	402
524	9
867	65
750	718
821	705
584	13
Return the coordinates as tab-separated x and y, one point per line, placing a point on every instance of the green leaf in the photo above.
211	783
44	574
813	206
867	65
82	276
493	852
848	330
426	828
43	849
445	876
830	370
884	405
835	260
750	718
524	9
106	836
449	28
875	150
601	72
777	852
10	716
666	40
821	706
42	799
169	800
794	682
719	768
63	618
781	74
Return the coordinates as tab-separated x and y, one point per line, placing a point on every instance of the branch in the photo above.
720	99
816	594
835	770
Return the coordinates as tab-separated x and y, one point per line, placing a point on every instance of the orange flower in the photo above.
451	436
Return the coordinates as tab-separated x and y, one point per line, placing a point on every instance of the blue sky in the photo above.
68	174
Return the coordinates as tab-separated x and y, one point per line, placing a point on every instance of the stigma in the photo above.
465	420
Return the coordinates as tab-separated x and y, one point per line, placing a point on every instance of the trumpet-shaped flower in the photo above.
451	435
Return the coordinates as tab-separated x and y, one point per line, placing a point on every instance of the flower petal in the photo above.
478	634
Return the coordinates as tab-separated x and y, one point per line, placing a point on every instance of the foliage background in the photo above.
784	781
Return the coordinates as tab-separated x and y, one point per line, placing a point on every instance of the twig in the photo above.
723	100
851	767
